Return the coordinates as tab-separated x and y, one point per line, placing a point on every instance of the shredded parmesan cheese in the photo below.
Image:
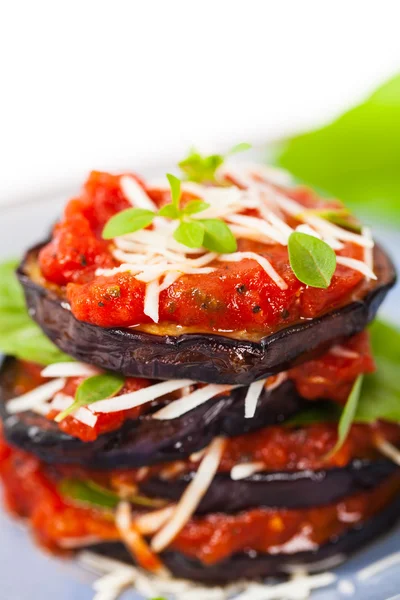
252	396
69	369
246	470
342	352
192	496
262	261
61	402
139	397
151	522
35	397
135	194
387	449
379	566
183	405
356	265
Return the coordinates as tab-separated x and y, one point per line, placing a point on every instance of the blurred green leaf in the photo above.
357	157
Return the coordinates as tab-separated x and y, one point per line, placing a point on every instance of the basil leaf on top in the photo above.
127	221
217	236
93	389
312	260
19	335
212	234
202	168
190	234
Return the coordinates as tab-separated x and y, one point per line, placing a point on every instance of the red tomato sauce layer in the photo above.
30	492
329	377
237	296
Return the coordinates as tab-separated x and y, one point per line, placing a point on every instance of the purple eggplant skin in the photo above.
208	358
280	489
254	565
143	441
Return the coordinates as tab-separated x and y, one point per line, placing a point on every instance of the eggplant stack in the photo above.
211	406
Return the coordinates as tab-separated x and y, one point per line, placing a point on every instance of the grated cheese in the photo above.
151	522
356	265
61	402
342	352
183	405
192	496
139	397
252	396
151	300
244	470
35	397
70	369
135	194
262	261
387	449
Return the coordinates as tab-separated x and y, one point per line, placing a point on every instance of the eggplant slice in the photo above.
208	358
143	441
254	565
279	489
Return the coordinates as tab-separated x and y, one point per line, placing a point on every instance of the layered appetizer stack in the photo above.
211	407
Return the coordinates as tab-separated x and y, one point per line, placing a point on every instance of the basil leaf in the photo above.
175	185
170	211
88	492
93	389
218	237
312	260
19	335
322	412
242	147
199	168
356	157
195	206
127	221
348	414
190	234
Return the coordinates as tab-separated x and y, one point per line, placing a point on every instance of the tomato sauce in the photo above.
329	377
235	297
31	492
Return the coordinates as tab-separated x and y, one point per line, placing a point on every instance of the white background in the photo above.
101	84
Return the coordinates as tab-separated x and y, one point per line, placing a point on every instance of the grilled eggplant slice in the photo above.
254	565
145	440
202	357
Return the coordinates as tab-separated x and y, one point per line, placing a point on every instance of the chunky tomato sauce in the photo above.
330	377
235	297
31	492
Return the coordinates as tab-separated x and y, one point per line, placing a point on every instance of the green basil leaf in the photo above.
195	206
175	185
312	260
356	157
88	493
242	147
190	234
19	335
93	389
218	237
199	168
170	211
348	415
321	412
127	221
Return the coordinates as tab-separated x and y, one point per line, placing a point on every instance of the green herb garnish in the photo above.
312	260
19	335
212	234
89	492
94	389
348	415
202	168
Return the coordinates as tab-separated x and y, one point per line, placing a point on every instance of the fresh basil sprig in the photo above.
202	168
376	397
93	389
212	234
312	260
348	415
88	492
19	335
